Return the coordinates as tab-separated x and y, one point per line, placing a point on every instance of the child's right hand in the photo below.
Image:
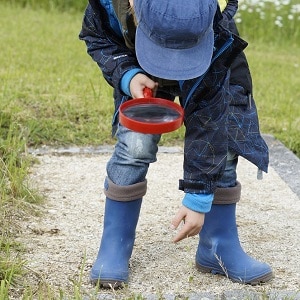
139	82
193	222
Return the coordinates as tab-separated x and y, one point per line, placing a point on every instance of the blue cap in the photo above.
175	38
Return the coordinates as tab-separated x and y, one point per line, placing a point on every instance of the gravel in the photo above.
63	241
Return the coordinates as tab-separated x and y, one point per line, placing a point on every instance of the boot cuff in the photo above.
124	193
229	195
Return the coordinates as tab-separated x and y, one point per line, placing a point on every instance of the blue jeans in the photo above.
135	151
229	176
131	157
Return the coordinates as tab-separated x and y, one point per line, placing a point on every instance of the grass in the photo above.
276	22
52	93
50	87
55	93
276	77
273	55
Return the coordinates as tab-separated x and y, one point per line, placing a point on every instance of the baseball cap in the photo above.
175	38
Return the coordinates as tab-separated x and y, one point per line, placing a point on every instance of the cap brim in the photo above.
174	64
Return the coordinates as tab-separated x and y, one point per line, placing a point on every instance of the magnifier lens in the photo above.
151	113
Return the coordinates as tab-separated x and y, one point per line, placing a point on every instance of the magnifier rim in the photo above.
147	127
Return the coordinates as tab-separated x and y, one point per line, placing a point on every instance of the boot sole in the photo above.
108	283
256	281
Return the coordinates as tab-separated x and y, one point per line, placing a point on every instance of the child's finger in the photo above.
177	219
182	234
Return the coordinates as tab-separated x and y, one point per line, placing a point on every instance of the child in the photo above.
179	50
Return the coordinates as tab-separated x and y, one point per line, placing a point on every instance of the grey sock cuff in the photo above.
229	195
126	192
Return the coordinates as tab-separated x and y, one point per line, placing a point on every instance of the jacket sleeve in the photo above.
106	48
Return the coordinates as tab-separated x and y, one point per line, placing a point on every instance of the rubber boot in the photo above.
111	266
219	250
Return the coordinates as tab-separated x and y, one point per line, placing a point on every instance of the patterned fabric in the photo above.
244	136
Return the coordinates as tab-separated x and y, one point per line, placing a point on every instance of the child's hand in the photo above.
139	82
193	222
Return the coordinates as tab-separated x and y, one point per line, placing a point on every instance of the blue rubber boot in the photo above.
111	266
220	252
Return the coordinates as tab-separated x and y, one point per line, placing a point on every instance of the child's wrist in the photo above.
125	81
198	202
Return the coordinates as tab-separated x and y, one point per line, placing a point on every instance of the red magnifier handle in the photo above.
148	93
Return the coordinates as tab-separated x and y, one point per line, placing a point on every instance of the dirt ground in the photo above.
63	242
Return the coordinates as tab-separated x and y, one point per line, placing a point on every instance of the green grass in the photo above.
50	87
55	93
52	93
273	53
270	22
276	77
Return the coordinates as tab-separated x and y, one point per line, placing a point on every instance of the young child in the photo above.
180	50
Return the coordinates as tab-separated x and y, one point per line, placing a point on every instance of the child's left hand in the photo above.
193	222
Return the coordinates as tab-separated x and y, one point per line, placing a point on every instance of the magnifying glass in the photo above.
151	115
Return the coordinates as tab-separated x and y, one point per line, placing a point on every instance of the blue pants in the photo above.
135	151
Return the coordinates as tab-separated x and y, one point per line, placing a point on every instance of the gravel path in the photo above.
63	242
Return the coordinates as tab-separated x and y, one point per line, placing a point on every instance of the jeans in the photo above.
229	176
131	157
135	151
